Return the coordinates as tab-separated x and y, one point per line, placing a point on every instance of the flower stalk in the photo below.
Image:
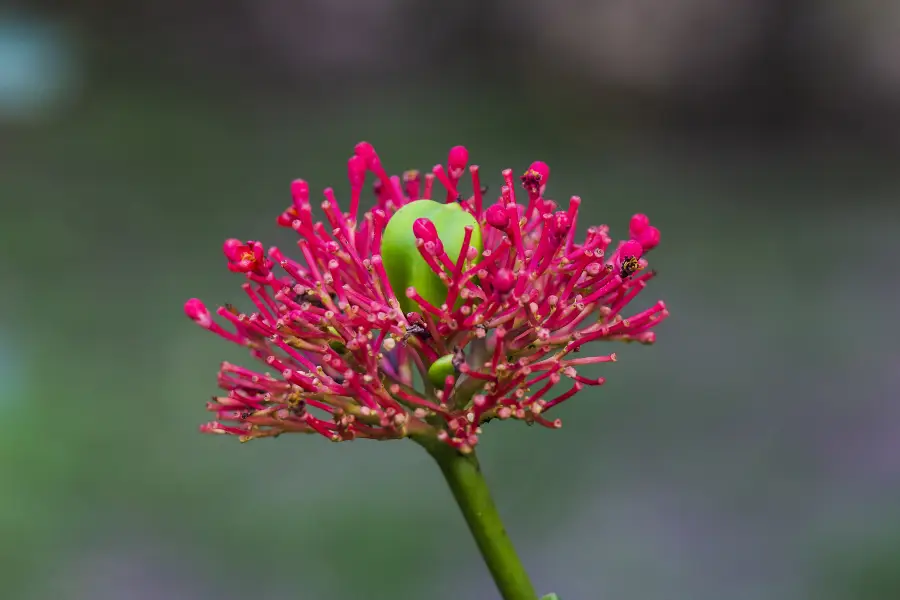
470	490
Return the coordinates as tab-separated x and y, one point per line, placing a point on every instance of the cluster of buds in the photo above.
423	317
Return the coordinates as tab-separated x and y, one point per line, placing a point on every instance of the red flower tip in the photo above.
531	181
496	217
542	168
639	223
197	312
534	180
287	218
356	172
364	150
457	161
299	192
641	231
246	257
503	280
367	153
412	181
648	238
425	230
233	248
559	224
631	249
536	177
628	258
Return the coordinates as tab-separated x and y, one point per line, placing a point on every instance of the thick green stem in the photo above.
463	475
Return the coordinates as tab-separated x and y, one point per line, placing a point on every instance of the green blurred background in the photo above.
752	454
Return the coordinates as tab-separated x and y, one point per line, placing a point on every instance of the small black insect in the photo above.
629	266
313	298
459	359
417	330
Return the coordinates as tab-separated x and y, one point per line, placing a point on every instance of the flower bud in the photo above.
648	238
197	312
639	223
496	217
504	280
456	160
356	171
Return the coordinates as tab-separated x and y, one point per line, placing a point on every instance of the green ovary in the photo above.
440	369
403	263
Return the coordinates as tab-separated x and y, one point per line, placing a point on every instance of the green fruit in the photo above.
403	263
440	369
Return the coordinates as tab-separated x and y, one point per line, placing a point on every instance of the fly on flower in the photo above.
424	317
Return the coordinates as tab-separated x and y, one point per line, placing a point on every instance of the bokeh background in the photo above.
752	454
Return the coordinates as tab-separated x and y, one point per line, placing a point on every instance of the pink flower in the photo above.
506	299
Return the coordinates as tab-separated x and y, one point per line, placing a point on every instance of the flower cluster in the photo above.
424	318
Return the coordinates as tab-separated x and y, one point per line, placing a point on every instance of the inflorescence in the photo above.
476	316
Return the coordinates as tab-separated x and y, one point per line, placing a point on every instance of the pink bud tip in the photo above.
560	224
631	249
649	238
364	150
367	153
424	229
628	256
299	191
197	312
639	223
356	171
542	168
233	248
458	158
504	280
496	217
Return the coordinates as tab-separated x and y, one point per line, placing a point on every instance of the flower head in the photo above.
424	318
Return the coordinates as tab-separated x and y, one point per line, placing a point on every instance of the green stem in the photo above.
463	475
